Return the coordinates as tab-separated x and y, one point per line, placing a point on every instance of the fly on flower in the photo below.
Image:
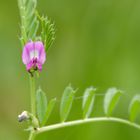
34	56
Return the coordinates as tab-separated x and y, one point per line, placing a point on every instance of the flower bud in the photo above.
23	116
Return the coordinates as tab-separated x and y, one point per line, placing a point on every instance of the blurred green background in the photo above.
98	43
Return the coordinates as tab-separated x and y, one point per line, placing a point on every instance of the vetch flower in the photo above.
34	56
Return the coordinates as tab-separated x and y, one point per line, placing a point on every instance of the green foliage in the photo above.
48	31
66	102
88	100
49	109
43	109
110	100
30	23
41	102
134	107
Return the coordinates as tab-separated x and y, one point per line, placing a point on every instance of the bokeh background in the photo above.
98	43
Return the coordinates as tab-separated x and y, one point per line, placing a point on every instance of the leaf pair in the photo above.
67	100
110	100
134	107
44	109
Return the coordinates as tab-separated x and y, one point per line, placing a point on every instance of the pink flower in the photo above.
34	55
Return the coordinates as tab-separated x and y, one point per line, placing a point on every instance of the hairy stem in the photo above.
78	122
32	92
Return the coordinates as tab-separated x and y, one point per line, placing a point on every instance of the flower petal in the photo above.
39	47
28	48
29	65
39	66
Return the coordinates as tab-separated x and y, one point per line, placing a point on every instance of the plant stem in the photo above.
32	136
33	102
32	92
78	122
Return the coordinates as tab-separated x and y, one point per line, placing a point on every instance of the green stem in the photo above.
32	136
33	102
78	122
32	92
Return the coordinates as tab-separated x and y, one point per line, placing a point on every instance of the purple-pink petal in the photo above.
26	52
29	65
39	66
41	51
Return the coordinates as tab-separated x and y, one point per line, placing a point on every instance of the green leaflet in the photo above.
66	102
49	110
30	8
134	107
33	30
29	22
110	100
41	105
88	100
48	31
